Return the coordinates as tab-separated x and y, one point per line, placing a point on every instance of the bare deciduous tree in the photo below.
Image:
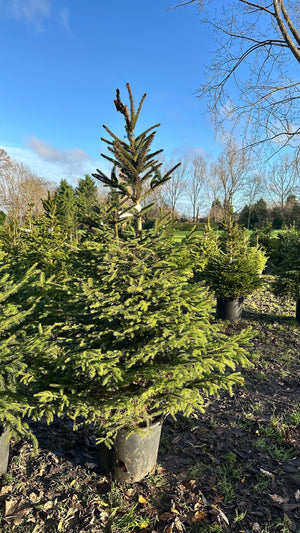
214	193
253	82
174	189
283	180
232	171
5	161
21	190
195	184
252	189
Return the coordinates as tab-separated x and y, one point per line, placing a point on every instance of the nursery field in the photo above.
233	469
179	235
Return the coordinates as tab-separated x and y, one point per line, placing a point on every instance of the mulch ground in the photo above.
235	468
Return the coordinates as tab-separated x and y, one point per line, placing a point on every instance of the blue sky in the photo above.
62	61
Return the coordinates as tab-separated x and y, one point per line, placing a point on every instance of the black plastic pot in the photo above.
229	308
133	456
4	450
298	310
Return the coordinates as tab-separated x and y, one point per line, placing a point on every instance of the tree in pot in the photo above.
138	339
287	273
232	268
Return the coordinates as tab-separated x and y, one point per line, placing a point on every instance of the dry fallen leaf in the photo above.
5	490
48	506
70	513
278	499
179	525
221	514
198	516
129	492
255	527
33	497
266	473
99	503
15	512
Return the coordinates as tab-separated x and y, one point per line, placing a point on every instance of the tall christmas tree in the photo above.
138	340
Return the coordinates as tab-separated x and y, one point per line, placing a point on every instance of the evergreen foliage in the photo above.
66	214
42	242
138	339
233	267
87	200
287	281
265	238
136	172
20	344
135	340
3	217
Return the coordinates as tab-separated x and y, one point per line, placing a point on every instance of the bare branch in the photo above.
251	86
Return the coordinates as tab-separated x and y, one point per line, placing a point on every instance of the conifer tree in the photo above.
41	241
287	279
232	267
66	213
134	165
86	200
20	346
137	339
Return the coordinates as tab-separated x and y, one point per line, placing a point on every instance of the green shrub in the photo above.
232	267
287	282
265	239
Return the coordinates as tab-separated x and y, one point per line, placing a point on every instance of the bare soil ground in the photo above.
235	468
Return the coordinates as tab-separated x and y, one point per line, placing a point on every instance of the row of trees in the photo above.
260	215
197	188
204	187
251	89
25	197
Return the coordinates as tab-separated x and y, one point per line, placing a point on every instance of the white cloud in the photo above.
50	153
188	152
72	162
34	12
53	163
65	18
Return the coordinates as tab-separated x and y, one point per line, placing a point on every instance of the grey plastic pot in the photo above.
4	450
136	456
133	456
229	308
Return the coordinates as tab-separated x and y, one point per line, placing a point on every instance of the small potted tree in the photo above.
232	268
287	273
138	340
